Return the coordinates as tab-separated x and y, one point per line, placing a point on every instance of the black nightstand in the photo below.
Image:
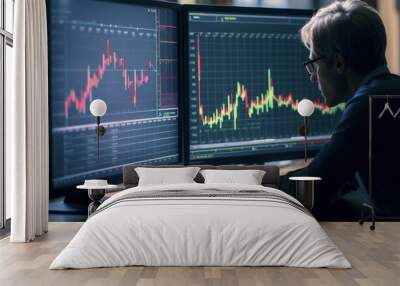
96	193
305	190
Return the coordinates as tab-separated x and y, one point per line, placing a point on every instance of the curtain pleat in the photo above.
29	159
15	147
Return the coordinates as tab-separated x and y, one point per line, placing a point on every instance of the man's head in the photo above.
348	40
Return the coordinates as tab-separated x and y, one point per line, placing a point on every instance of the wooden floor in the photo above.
375	257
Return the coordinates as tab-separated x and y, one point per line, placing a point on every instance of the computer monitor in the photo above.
127	55
245	79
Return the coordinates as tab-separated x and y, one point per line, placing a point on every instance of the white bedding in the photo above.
200	231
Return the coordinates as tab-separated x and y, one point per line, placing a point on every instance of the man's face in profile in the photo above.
329	83
318	74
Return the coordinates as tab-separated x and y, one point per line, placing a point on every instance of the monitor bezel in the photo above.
235	159
54	192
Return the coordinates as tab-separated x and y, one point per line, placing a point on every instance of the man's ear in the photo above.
339	63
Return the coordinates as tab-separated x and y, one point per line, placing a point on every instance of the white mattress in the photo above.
200	231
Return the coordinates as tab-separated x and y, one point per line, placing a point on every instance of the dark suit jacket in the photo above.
347	153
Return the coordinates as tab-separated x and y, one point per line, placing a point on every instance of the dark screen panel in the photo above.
126	55
384	153
245	80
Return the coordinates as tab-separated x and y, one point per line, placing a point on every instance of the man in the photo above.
347	44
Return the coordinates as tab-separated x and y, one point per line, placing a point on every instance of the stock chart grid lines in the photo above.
127	58
249	78
108	64
146	147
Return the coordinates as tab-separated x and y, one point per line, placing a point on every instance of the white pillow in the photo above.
248	177
165	176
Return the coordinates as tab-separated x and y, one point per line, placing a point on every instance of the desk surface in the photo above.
296	165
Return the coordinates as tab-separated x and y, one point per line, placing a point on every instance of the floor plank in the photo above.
375	257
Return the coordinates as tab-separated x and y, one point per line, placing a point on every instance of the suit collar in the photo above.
382	70
375	73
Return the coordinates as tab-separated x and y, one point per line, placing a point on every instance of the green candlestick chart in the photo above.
262	103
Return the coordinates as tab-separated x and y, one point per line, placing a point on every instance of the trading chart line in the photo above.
93	79
255	106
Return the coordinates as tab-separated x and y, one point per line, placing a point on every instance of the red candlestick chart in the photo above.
132	81
126	55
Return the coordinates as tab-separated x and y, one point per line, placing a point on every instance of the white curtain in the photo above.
27	144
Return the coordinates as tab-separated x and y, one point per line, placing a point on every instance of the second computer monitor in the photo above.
125	54
245	79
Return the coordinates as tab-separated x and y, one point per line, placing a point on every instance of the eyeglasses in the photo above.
310	65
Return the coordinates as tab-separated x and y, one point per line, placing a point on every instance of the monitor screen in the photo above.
245	79
126	55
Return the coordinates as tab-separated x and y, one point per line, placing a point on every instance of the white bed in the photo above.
209	230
